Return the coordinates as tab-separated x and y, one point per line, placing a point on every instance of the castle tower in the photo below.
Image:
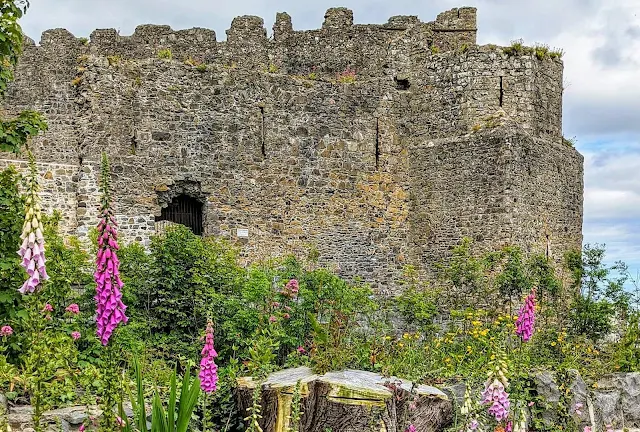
379	145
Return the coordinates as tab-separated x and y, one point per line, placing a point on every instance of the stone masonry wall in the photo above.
386	171
59	189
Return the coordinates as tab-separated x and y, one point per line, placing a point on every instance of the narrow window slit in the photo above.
501	92
547	252
134	143
377	143
264	150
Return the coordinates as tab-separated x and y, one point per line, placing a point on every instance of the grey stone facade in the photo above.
436	139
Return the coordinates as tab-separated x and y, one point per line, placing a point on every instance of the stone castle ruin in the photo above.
379	146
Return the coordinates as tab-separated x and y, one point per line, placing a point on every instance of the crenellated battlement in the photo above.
247	41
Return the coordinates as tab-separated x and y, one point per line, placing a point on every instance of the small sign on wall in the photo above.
243	233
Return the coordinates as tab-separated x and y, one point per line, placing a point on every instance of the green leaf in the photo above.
172	403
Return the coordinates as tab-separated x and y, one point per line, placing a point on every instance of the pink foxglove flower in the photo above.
497	398
110	309
32	247
81	429
6	331
73	309
411	428
47	308
208	368
75	335
526	317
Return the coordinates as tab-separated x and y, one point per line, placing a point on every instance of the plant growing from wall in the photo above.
348	76
14	132
165	54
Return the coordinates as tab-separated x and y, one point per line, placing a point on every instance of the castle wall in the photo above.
376	174
58	183
499	187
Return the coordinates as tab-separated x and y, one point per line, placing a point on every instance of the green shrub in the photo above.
11	220
68	264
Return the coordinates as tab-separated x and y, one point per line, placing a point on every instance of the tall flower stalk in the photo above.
32	247
208	370
33	261
495	394
527	317
110	310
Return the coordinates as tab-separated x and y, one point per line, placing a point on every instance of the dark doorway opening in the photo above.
184	210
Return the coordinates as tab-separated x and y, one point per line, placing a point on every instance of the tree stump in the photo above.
346	401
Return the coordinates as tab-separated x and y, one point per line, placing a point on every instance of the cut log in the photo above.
347	401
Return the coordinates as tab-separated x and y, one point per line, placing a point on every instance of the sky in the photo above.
600	38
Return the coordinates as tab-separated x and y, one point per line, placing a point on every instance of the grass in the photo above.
540	51
165	54
114	60
569	142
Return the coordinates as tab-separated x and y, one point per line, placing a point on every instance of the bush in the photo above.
176	287
11	220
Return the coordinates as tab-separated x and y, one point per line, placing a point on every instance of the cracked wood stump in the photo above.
347	401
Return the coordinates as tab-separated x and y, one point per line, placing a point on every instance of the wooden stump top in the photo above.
349	400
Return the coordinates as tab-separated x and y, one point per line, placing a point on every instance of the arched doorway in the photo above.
184	210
